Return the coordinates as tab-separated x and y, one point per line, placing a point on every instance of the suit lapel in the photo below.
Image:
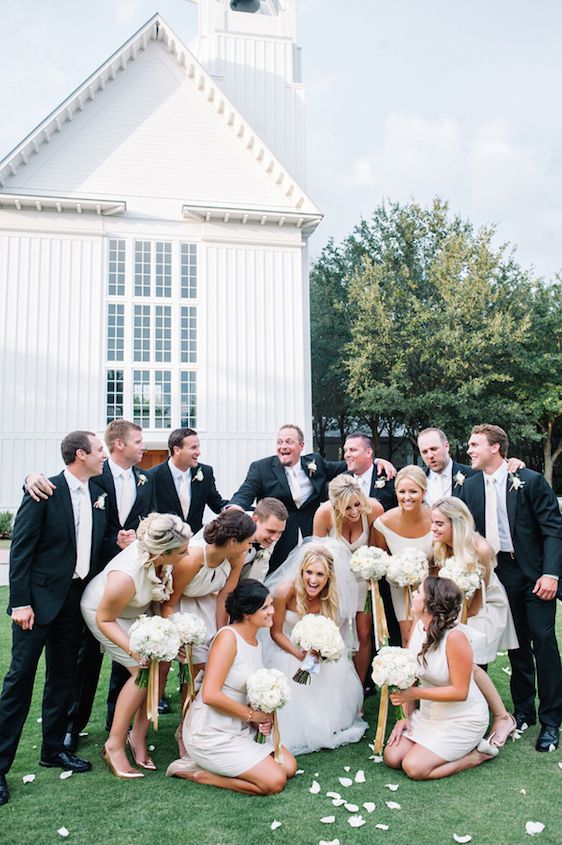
511	505
196	488
317	483
479	512
67	507
109	484
281	475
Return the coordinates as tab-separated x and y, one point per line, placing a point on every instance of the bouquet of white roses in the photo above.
369	563
268	690
395	669
407	569
192	631
321	639
157	641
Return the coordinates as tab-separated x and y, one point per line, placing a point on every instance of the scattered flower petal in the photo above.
151	747
65	775
523	727
83	733
381	826
62	831
347	768
39	720
376	758
345	781
333	795
560	765
356	821
522	792
533	828
275	824
328	820
299	772
338	802
501	653
461	839
316	775
392	805
34	746
392	786
315	788
506	669
331	842
360	776
517	734
552	747
28	778
369	806
353	808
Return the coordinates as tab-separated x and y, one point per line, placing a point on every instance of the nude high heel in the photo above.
123	775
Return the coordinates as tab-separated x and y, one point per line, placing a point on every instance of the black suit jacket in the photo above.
457	468
141	507
43	550
534	517
165	495
267	477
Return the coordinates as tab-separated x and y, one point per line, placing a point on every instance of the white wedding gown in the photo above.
324	713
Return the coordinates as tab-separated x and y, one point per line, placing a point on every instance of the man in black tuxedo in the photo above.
518	514
183	486
270	516
55	550
445	476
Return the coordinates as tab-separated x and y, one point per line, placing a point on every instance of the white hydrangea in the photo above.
408	568
317	633
369	562
190	627
467	576
154	638
394	666
267	690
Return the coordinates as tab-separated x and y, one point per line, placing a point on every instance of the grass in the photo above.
491	803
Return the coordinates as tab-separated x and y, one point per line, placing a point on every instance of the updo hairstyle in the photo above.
248	597
443	600
159	533
231	523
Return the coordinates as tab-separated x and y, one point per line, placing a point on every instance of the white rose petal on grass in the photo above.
352	808
552	747
62	831
39	720
356	821
347	768
151	747
360	776
392	805
369	806
65	775
328	820
506	669
338	802
315	788
28	778
316	774
532	828
501	653
299	772
331	842
381	826
83	733
345	781
392	786
461	839
333	795
275	824
560	765
376	758
522	792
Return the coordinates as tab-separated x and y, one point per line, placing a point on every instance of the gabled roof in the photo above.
156	29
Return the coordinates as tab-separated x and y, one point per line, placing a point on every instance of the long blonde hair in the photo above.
328	596
463	532
342	490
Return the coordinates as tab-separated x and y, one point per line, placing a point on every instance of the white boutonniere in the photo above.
311	467
99	504
262	554
516	482
459	479
198	475
381	482
141	480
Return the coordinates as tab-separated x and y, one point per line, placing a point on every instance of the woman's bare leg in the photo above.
129	701
422	764
405	628
504	723
394	754
266	778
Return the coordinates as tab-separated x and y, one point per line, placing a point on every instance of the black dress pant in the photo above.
60	639
534	621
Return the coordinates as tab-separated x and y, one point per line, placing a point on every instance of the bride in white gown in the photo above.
307	583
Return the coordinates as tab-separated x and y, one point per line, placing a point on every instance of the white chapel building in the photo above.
153	261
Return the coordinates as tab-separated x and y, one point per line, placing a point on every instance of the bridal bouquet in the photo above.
393	669
157	641
321	639
369	563
268	690
192	631
407	569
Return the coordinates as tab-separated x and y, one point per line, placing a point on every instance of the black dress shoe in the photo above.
4	791
66	761
549	738
163	706
70	742
524	719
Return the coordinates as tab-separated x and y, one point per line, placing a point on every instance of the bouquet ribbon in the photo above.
464	611
186	679
276	738
380	627
381	721
153	694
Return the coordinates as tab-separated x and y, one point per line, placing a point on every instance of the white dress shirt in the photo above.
119	480
178	477
297	476
500	478
366	480
439	484
74	485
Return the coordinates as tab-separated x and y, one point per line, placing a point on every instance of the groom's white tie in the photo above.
84	534
126	497
492	528
295	486
183	495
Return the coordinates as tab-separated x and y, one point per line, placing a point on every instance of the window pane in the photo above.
114	395
188	335
141	333
142	268
141	397
163	268
163	399
116	276
163	333
188	271
115	332
188	399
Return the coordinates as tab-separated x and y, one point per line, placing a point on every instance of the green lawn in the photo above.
491	804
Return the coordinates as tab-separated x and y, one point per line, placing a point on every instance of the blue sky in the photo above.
405	99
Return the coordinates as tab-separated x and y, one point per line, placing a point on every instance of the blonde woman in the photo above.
454	535
326	713
136	580
348	516
407	526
